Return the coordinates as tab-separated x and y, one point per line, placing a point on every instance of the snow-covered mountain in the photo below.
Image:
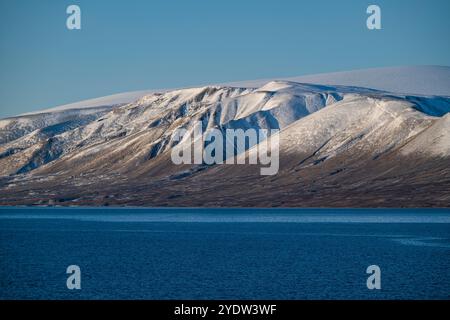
340	145
416	80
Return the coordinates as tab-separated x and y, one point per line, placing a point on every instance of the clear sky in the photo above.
127	45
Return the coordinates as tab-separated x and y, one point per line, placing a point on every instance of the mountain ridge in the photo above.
435	80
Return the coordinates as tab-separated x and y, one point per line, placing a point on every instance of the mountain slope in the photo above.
339	146
150	123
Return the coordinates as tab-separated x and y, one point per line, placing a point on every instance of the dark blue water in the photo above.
224	254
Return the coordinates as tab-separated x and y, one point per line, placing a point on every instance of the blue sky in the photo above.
144	44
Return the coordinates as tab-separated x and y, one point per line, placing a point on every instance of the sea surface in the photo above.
131	253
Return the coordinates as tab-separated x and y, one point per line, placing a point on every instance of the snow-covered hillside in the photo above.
329	136
107	101
153	119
